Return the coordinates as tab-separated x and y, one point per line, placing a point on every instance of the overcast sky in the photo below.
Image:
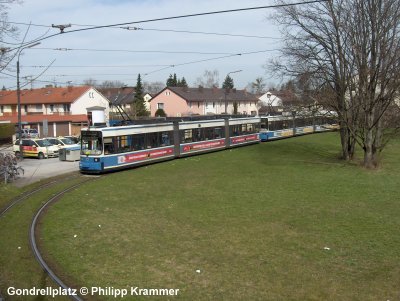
120	54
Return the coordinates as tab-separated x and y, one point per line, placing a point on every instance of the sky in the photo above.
156	50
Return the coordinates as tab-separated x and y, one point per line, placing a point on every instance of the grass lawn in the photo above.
18	267
276	221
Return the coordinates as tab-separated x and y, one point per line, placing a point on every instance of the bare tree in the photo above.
7	31
348	51
374	34
153	87
90	82
210	79
258	86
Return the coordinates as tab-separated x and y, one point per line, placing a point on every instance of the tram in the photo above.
111	148
278	127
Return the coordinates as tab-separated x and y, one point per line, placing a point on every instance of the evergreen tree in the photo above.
183	83
175	81
228	83
138	106
170	81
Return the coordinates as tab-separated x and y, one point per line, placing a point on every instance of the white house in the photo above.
53	111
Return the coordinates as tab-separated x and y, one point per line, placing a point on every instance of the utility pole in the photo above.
19	98
226	92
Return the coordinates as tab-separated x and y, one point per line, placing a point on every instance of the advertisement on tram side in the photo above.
146	155
244	139
204	145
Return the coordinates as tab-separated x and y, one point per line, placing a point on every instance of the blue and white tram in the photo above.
278	127
110	148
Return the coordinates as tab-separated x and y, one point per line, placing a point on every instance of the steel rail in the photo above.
34	246
29	193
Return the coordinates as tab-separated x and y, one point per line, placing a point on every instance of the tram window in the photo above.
138	142
208	133
264	125
92	143
244	129
197	135
186	136
219	133
121	144
108	146
152	140
250	128
234	130
166	138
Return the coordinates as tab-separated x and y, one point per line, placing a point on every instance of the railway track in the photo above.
33	226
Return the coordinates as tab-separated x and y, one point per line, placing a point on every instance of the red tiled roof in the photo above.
43	95
50	118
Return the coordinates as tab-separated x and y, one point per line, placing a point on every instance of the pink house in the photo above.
183	101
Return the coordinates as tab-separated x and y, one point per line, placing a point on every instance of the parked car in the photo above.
28	133
75	139
39	148
61	142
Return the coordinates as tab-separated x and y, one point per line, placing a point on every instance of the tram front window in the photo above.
92	143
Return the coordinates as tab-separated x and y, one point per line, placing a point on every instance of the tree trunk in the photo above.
369	146
344	139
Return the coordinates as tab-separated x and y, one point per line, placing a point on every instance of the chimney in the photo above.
201	88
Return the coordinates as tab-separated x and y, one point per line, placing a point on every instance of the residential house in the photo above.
270	103
52	111
183	101
147	98
119	97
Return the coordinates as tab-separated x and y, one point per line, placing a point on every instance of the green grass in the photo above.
254	220
18	267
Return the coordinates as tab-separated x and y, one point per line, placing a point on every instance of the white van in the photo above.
39	148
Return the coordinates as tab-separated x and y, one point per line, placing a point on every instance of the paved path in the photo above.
36	170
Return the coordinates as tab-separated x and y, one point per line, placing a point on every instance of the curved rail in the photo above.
31	192
24	196
34	247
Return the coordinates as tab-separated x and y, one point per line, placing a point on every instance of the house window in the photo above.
1	109
198	104
167	93
38	108
67	107
213	104
190	104
160	105
26	108
52	108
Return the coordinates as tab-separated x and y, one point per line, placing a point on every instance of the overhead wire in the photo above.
180	17
171	18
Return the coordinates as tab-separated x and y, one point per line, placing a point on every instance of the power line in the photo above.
158	30
131	51
202	32
95	66
210	59
181	17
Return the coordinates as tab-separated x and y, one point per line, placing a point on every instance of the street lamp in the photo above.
19	96
226	101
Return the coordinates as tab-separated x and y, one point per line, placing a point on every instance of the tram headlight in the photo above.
96	159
